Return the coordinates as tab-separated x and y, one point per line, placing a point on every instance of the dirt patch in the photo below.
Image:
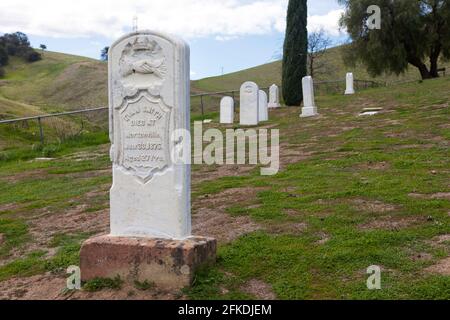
29	174
207	173
8	207
373	206
51	287
434	196
374	166
324	238
442	238
75	220
439	240
392	223
288	228
423	256
442	267
259	289
211	219
292	212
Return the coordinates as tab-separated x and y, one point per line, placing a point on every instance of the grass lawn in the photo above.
353	192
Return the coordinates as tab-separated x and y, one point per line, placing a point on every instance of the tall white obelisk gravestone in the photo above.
309	104
150	210
349	84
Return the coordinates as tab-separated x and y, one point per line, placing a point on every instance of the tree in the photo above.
295	52
4	58
17	44
43	47
33	56
318	44
413	33
104	54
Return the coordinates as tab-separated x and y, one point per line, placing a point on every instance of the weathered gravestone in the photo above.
263	106
309	104
274	96
249	113
349	84
227	110
150	237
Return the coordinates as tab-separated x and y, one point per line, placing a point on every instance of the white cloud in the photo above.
111	18
222	19
329	22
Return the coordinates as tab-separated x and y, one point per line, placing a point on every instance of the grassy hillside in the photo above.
267	74
66	82
58	82
352	192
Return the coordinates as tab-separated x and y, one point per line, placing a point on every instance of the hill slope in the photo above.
58	82
67	82
334	69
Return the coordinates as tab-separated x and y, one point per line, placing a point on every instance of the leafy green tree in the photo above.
295	52
413	33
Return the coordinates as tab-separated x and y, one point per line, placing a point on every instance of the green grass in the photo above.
26	267
68	253
99	284
15	233
320	193
354	166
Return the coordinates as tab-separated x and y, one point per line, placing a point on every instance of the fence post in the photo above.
41	132
201	103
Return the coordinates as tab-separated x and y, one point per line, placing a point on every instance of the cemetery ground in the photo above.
352	192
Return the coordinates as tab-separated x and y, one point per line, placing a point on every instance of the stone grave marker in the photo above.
309	105
263	106
249	113
227	110
150	210
349	84
274	96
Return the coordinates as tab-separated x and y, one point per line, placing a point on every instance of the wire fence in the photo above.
59	127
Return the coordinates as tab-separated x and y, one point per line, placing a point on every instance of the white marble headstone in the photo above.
274	96
309	104
349	84
227	110
249	113
148	100
263	106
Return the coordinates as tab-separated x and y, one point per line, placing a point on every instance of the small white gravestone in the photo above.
309	105
227	110
349	84
263	106
149	100
274	96
249	113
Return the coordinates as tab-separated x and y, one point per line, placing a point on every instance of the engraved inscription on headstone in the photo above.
145	137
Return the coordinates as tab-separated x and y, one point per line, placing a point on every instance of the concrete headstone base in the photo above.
309	112
169	264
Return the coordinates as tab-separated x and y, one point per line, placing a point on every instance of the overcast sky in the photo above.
223	34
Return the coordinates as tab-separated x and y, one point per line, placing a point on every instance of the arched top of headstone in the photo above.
177	41
249	87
